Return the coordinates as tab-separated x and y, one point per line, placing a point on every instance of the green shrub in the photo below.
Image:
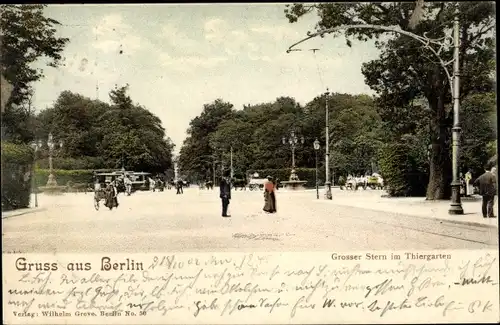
17	153
63	177
402	173
17	163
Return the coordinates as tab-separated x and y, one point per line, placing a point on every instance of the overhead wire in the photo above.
319	70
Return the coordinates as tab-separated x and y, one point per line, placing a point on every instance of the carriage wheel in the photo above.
96	204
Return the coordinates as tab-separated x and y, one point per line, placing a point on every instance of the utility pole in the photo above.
456	204
328	186
232	171
213	172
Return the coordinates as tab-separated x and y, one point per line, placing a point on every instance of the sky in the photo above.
176	58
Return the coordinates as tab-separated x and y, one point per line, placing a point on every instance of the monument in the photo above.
294	183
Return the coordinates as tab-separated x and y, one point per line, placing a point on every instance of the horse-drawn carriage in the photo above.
101	180
373	182
256	183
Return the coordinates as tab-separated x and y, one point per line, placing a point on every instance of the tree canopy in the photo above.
255	134
27	37
110	136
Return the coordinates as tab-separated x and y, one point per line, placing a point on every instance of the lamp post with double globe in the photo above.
293	140
51	182
316	149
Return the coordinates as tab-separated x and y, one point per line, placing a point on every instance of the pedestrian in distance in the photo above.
225	193
487	185
179	187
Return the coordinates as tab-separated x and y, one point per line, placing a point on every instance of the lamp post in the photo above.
456	204
316	148
36	145
50	143
328	185
293	140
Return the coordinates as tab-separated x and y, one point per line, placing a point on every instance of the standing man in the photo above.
487	184
225	193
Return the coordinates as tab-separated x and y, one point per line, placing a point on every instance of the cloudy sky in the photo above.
178	57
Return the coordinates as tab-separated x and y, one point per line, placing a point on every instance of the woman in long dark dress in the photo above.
269	196
111	200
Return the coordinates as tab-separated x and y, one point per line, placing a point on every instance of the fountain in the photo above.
52	188
294	183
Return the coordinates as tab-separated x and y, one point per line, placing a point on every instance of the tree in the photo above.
27	36
133	137
236	134
479	132
255	133
100	135
406	70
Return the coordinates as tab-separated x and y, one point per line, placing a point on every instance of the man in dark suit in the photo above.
225	193
487	184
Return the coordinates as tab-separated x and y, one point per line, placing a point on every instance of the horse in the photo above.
361	181
380	181
350	183
240	183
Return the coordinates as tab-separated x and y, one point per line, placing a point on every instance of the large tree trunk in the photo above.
440	175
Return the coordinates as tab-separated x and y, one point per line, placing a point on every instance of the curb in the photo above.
461	222
20	212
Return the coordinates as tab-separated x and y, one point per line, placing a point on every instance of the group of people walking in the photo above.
269	194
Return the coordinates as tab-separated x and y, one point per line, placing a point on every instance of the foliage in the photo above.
196	155
400	170
17	162
255	134
69	163
63	176
27	36
283	174
406	70
99	135
17	153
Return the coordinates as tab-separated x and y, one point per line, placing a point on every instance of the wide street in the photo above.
164	221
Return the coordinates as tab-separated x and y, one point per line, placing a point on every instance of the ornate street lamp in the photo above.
328	185
50	143
316	148
36	145
293	141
